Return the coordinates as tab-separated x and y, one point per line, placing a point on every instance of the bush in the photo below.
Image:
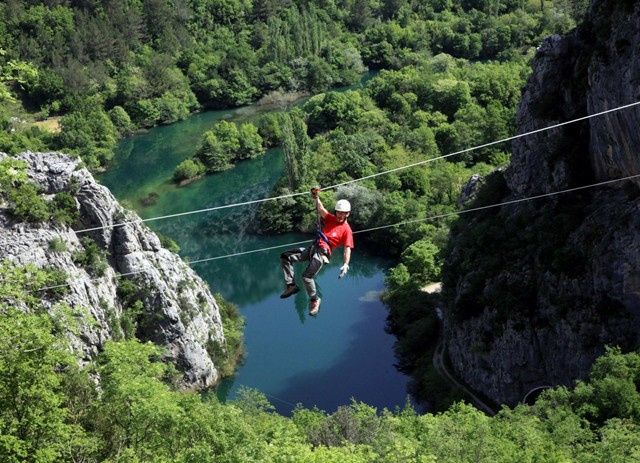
57	244
87	128
168	243
120	119
56	281
226	357
213	154
64	209
92	256
187	169
27	205
250	142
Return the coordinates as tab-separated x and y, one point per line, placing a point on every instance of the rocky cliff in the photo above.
167	303
535	291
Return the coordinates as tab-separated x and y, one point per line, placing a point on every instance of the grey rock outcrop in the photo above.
176	309
562	279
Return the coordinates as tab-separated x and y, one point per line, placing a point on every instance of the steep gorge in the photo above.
534	291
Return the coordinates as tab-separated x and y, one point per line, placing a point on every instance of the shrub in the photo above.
120	119
168	243
27	205
187	169
63	208
92	256
57	244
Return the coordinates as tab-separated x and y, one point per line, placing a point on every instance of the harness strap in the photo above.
319	234
323	237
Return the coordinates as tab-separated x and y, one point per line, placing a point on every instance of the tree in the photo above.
421	260
421	140
227	135
27	204
250	142
212	153
612	388
137	414
397	277
335	109
449	95
187	169
319	75
619	442
390	8
171	108
463	434
45	32
295	146
360	15
34	423
145	113
88	130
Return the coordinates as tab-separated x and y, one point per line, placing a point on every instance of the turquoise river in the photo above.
326	361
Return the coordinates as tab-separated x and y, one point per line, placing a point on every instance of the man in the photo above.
336	232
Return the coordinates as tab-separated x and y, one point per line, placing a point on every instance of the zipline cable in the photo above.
505	203
486	145
292	195
433	217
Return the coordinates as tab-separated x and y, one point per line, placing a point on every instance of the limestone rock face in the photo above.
614	80
564	279
176	308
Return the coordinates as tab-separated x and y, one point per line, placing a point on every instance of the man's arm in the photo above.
347	258
320	207
347	255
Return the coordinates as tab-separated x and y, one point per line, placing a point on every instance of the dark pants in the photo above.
315	255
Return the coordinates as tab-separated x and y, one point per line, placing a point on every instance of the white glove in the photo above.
343	270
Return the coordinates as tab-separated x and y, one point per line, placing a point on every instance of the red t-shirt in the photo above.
337	233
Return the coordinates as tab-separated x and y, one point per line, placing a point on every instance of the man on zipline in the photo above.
336	232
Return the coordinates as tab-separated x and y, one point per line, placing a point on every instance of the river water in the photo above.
326	361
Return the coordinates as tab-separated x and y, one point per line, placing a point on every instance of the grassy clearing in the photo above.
51	124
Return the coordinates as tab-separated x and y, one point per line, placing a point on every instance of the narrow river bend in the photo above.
292	358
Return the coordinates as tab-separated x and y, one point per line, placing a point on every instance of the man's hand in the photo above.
343	270
314	191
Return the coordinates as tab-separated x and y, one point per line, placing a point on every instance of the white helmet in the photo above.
343	206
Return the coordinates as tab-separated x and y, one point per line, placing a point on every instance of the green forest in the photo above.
52	411
78	75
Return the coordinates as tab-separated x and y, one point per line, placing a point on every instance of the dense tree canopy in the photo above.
52	411
157	61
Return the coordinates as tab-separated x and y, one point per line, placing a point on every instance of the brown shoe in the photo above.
314	306
290	290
